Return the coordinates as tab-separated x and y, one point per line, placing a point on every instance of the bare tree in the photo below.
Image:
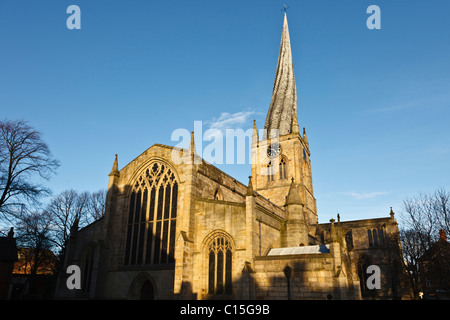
412	251
422	219
442	209
65	208
23	155
96	205
71	207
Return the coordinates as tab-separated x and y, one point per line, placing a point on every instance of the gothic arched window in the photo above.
349	240
219	263
283	169
375	237
152	217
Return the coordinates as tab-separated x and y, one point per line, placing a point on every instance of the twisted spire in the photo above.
282	114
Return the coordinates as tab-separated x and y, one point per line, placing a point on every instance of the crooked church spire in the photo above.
282	114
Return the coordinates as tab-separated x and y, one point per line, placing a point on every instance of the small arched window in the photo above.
283	169
349	240
219	265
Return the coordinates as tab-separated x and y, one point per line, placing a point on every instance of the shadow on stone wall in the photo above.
288	283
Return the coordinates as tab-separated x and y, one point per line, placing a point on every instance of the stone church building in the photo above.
187	230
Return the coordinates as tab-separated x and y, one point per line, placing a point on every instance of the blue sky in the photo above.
375	103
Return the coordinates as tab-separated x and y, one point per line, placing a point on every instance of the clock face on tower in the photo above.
273	150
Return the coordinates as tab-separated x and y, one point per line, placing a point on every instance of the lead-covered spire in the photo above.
282	115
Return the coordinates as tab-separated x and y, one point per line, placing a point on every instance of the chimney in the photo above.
442	235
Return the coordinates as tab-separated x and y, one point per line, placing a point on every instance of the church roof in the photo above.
316	249
282	114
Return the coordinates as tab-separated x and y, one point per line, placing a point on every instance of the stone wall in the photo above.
312	277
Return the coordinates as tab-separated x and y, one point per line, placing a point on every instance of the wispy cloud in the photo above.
434	101
228	120
368	195
396	107
217	126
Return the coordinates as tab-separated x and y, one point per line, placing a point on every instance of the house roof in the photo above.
440	248
8	249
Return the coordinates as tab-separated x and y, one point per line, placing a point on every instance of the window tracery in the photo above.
283	169
152	217
219	265
375	237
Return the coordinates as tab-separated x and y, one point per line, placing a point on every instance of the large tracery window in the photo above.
220	262
152	217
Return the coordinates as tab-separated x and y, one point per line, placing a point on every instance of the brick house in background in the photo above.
434	269
29	281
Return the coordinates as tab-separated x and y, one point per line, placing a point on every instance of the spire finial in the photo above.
255	135
285	8
192	144
115	168
250	187
391	213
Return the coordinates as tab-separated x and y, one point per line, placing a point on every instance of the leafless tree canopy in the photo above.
23	156
425	215
70	207
422	219
25	160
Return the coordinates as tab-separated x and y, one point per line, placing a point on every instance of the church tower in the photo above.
282	157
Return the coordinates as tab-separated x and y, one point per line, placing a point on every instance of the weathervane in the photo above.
285	8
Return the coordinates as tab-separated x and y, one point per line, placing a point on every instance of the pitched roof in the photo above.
8	249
